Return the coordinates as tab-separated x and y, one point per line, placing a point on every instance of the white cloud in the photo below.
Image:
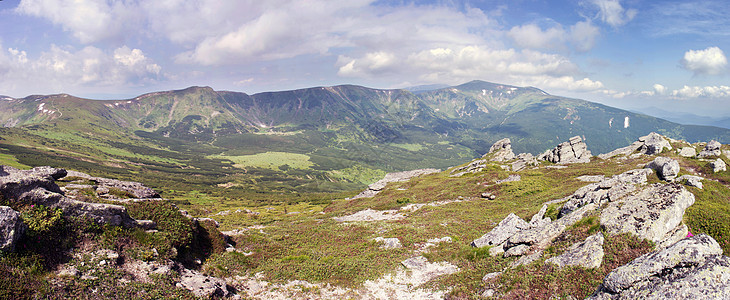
62	67
612	13
582	35
711	61
659	89
705	92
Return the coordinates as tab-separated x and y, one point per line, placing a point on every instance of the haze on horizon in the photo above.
629	54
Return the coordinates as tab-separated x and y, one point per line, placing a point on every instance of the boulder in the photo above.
135	189
712	149
389	243
587	254
718	165
572	151
606	190
501	151
692	268
498	235
115	215
542	236
687	152
666	168
522	161
691	180
11	228
653	143
379	185
651	214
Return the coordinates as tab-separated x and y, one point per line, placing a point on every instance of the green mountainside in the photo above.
322	139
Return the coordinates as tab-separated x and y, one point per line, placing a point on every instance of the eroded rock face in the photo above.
11	228
712	149
587	254
604	191
501	150
666	168
650	214
692	268
506	228
572	151
650	144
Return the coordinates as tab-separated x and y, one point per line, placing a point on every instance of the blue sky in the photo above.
630	53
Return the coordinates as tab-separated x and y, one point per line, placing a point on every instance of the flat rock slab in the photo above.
370	215
503	231
587	254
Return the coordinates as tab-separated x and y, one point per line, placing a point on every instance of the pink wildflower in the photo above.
689	234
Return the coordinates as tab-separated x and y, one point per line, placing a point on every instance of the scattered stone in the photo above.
371	215
691	180
651	214
499	234
488	293
524	160
518	250
666	168
446	239
718	165
11	228
712	149
490	276
687	152
406	283
650	144
572	151
693	268
587	254
202	285
501	151
379	185
527	259
389	243
591	178
509	178
475	166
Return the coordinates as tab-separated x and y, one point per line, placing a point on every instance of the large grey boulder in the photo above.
666	168
653	143
379	185
11	228
115	215
718	165
692	268
606	190
540	237
587	254
572	151
687	152
504	230
650	144
135	189
691	180
202	285
501	151
651	214
712	149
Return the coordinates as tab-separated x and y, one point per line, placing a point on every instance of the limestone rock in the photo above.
202	285
653	143
393	177
711	149
522	161
691	180
666	168
501	151
389	243
692	268
498	235
718	165
11	228
572	151
687	152
587	254
650	214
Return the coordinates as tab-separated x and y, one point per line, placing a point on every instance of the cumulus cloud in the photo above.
63	67
659	89
710	61
702	91
582	36
612	13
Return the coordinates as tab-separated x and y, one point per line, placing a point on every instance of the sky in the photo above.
626	53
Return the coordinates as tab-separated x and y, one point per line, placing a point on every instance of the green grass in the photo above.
269	160
10	160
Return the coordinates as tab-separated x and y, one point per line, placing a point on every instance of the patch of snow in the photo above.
626	122
40	107
610	123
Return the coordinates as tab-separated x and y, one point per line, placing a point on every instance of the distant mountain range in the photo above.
314	139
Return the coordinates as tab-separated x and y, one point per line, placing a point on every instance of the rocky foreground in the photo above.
646	203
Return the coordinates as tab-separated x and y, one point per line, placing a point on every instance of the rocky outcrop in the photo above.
572	151
587	254
604	191
501	151
104	186
522	161
718	165
504	230
691	180
692	268
389	243
687	152
650	144
202	285
651	214
379	185
712	149
666	168
11	228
